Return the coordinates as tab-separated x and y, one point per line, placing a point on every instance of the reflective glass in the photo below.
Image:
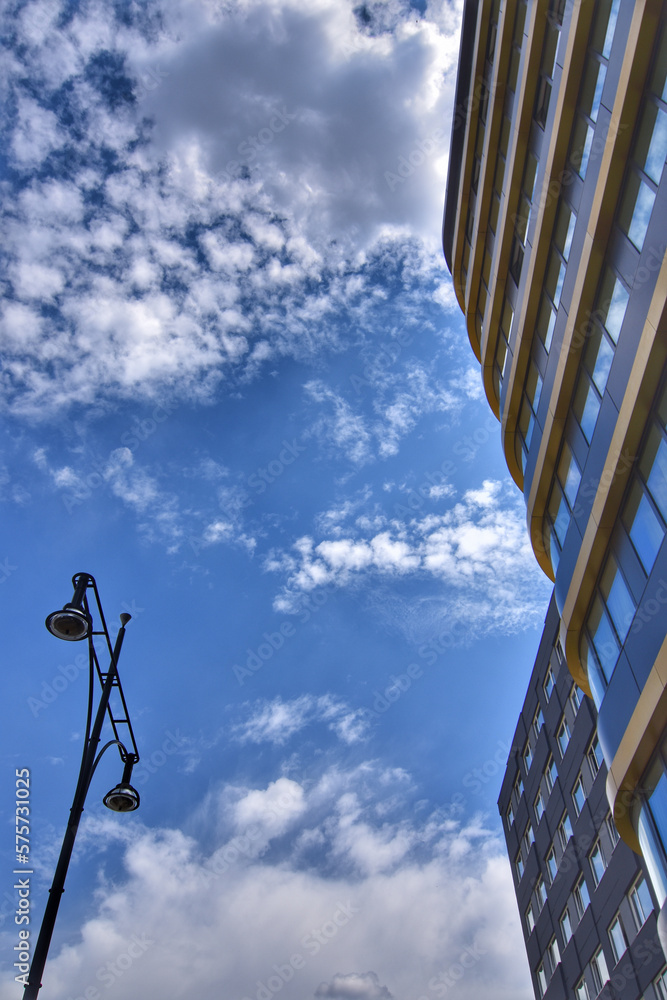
604	640
597	863
566	926
653	465
652	838
620	605
586	406
641	214
599	356
644	526
612	303
652	142
569	475
546	322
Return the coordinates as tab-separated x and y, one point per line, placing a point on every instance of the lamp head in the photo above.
71	623
122	799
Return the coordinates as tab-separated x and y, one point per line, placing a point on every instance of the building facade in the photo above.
555	232
586	905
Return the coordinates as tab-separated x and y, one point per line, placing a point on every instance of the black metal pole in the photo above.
58	885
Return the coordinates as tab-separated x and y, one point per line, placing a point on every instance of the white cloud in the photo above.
230	229
277	721
354	986
408	917
478	548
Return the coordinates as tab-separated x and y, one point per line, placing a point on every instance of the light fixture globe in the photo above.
71	624
122	799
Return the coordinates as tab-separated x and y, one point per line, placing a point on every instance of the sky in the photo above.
237	389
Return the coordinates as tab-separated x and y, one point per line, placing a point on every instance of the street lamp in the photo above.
74	623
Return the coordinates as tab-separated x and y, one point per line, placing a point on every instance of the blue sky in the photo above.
237	389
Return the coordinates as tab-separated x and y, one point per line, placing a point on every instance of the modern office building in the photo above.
555	231
586	906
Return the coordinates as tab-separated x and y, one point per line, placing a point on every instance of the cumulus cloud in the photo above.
478	547
156	928
188	211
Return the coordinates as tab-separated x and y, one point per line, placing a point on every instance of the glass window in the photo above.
581	990
643	526
617	597
636	209
599	970
527	757
653	467
542	981
519	865
553	954
581	896
595	757
550	862
612	302
565	926
530	919
540	893
576	696
539	807
652	828
563	737
518	788
564	831
641	902
549	683
528	839
551	773
612	832
617	938
661	985
597	862
538	722
578	796
509	815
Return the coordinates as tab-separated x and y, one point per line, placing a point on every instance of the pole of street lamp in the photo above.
88	764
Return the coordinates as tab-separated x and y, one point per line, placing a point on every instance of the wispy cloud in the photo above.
277	721
477	548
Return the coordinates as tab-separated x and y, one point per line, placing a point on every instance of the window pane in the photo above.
591	91
578	797
643	526
617	938
652	142
569	475
546	322
597	863
586	406
612	302
620	605
599	356
604	639
653	466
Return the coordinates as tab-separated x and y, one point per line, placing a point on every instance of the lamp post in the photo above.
73	624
